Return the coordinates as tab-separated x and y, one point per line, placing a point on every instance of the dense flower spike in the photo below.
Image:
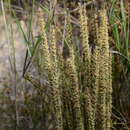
31	79
102	89
75	97
102	42
73	79
53	46
96	72
65	93
51	67
44	46
109	94
89	108
86	66
54	81
84	35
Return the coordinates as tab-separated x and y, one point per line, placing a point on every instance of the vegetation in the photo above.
81	60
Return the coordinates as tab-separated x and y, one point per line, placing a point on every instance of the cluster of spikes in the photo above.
86	105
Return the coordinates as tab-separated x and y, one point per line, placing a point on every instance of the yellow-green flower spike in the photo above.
51	68
94	76
75	95
54	81
86	57
73	80
44	45
102	43
89	108
84	35
109	95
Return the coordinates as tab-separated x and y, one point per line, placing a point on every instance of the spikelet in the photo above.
44	46
74	88
66	103
67	100
109	94
54	81
53	48
102	42
45	65
84	35
88	106
73	80
94	28
86	67
94	70
51	67
31	79
60	65
102	29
